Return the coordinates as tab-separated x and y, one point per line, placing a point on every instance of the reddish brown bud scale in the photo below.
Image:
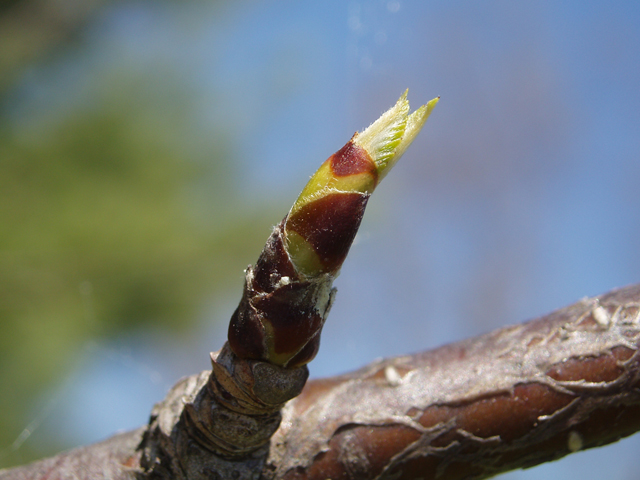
281	314
273	264
329	224
351	160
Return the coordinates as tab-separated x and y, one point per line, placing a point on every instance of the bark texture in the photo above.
510	399
513	398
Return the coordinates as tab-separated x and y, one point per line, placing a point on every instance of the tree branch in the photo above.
509	399
513	398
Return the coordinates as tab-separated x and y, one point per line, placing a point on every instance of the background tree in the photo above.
527	96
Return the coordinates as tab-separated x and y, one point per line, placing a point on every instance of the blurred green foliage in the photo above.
115	213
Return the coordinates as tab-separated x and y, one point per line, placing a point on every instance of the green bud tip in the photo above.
386	139
324	219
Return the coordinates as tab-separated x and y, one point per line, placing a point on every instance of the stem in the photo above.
510	399
513	398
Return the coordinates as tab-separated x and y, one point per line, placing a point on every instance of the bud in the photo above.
289	292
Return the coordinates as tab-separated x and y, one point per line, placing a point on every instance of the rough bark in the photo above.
513	398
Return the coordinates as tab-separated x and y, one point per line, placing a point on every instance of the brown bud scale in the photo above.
330	224
281	313
283	310
352	159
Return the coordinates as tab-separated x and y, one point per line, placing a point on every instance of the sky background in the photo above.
520	196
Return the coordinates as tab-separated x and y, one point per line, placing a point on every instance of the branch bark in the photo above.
510	399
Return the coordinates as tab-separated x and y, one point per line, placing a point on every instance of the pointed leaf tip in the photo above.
415	122
386	139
